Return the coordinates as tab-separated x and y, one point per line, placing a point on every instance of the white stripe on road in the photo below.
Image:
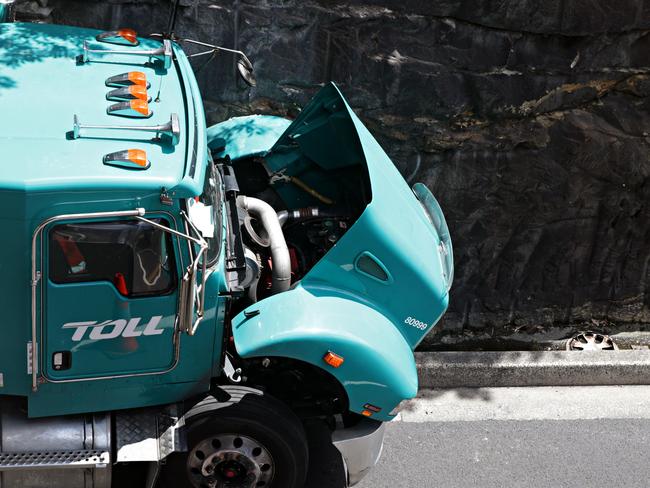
529	403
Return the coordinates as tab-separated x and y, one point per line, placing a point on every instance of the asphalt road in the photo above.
582	437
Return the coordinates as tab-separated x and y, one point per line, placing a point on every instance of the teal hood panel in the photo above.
379	290
305	324
251	135
324	133
394	234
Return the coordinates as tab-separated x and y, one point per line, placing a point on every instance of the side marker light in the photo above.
128	79
334	360
122	37
130	159
128	93
134	108
372	408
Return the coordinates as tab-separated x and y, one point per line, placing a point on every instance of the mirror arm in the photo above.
203	53
186	303
216	48
201	254
198	242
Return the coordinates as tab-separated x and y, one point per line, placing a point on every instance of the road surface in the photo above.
550	437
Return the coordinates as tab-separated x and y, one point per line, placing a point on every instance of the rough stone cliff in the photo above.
529	120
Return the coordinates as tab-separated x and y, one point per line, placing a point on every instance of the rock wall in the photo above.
529	120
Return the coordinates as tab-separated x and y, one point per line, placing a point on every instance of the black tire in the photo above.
256	417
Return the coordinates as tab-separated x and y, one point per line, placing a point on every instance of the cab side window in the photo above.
135	256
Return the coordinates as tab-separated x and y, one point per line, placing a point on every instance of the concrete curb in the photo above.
532	368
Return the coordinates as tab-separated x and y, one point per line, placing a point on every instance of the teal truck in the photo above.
180	300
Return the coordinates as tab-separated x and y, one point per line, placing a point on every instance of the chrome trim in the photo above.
175	339
171	231
170	130
190	278
360	447
37	275
163	53
214	48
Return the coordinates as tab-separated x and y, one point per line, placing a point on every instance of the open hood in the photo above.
394	256
324	133
380	288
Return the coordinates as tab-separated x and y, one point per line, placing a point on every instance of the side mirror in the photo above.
244	66
245	69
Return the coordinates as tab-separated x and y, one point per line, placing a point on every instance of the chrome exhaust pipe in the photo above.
279	249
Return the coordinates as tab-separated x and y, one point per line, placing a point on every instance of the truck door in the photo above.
110	299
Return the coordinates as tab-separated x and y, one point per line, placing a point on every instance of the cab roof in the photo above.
42	88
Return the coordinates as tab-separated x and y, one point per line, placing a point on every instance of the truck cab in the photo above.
180	300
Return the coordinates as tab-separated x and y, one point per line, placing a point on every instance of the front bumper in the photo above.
360	447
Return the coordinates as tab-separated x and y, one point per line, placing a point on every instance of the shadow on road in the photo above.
325	464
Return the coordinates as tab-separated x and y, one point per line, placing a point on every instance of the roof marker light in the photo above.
134	108
333	359
123	37
127	93
130	159
128	79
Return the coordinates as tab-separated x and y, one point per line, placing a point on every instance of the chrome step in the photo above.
54	459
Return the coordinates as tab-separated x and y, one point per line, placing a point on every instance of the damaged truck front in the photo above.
184	299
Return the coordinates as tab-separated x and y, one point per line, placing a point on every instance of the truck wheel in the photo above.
253	443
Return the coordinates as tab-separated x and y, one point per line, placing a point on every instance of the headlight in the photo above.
436	217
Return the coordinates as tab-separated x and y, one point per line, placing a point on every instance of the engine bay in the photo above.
284	221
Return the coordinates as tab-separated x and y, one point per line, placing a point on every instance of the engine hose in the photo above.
279	251
305	187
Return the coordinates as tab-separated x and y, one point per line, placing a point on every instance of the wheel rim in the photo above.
591	341
230	461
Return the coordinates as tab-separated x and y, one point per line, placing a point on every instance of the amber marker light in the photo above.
372	408
128	79
139	92
334	360
140	106
128	159
137	78
132	108
366	413
128	34
138	156
121	37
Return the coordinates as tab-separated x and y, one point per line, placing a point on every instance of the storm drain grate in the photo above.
591	341
53	459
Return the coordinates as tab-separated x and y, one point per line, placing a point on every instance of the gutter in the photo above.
532	368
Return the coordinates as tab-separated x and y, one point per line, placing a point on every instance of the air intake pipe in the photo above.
279	250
